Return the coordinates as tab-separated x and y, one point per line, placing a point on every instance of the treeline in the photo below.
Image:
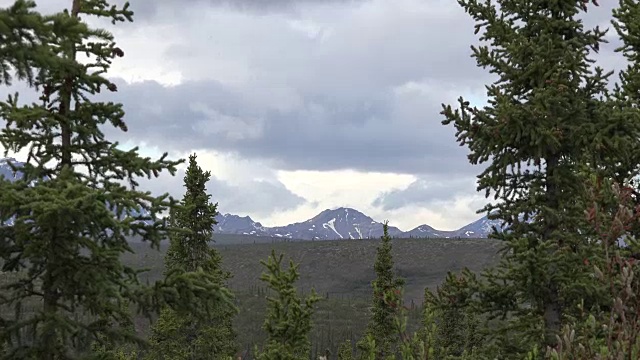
561	145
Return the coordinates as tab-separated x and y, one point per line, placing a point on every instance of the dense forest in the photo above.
559	138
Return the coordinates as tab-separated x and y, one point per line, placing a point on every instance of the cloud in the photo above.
397	132
233	188
424	192
258	198
295	97
146	7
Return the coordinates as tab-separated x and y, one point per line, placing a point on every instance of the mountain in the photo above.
480	228
344	223
426	231
341	223
234	224
6	171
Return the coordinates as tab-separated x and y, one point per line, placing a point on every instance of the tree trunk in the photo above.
51	294
552	306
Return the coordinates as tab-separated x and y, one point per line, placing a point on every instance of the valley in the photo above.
340	271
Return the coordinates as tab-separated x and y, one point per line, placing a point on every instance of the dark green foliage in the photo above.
189	247
539	136
288	320
625	103
338	270
457	325
425	338
112	351
381	326
183	335
71	210
596	332
345	351
176	336
449	326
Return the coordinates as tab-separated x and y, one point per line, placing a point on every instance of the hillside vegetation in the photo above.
341	272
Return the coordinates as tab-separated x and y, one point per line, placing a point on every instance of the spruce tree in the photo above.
78	201
345	351
288	320
456	323
536	136
612	332
179	335
381	326
625	102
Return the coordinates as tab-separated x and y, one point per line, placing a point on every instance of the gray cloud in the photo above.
366	100
424	192
259	198
377	133
256	197
315	85
151	8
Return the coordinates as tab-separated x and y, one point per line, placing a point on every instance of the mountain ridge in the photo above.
347	224
330	224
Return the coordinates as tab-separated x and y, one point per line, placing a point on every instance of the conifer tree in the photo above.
78	200
110	350
345	351
381	326
625	102
536	136
288	320
596	333
456	324
179	335
612	333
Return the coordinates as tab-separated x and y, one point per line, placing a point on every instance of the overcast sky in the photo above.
296	106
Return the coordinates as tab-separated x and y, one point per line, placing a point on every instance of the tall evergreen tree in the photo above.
536	135
288	320
381	326
456	324
73	210
612	333
625	101
178	335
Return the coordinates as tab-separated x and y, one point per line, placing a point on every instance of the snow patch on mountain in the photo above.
332	225
347	224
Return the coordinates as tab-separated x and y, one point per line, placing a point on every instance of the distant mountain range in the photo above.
344	223
340	223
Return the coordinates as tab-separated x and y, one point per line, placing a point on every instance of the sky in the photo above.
296	106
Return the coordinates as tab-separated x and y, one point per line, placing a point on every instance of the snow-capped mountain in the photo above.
6	171
480	228
341	223
234	224
344	223
426	231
